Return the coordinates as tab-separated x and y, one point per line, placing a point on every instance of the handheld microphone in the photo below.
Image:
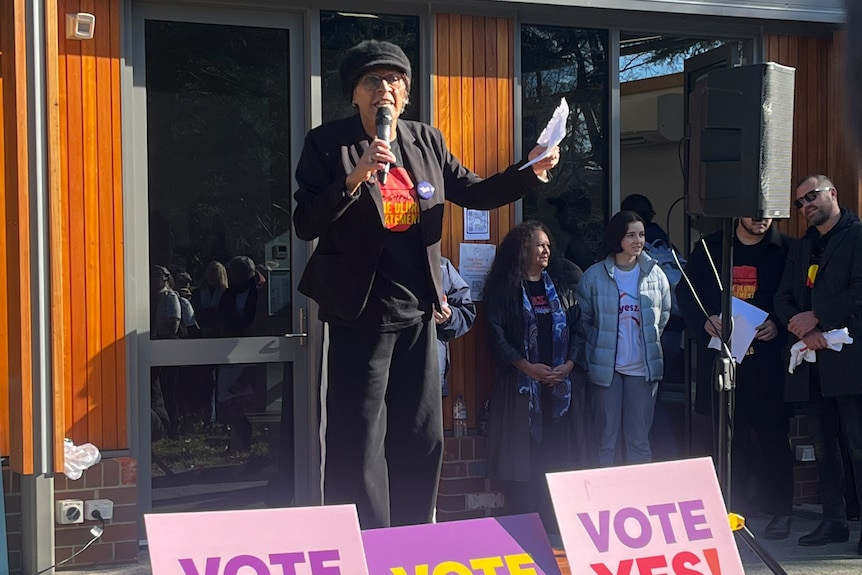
384	132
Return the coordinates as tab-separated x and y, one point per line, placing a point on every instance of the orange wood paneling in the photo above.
820	142
7	117
16	271
58	285
474	108
91	228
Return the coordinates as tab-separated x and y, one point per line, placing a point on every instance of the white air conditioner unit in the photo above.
651	119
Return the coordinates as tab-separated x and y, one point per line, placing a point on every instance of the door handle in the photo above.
303	329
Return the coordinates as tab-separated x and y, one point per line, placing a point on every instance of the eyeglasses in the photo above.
809	197
373	82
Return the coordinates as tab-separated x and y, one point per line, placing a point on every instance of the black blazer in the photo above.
836	300
350	231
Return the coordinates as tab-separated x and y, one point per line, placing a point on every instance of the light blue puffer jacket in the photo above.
598	297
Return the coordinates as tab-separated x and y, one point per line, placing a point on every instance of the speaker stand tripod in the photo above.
725	385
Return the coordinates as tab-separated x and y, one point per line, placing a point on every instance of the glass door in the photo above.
230	409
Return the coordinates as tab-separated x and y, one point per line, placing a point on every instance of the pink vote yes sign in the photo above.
292	541
659	518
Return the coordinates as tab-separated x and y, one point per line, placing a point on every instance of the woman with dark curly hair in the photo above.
533	319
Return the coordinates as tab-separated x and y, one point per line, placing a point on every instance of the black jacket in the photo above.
350	231
759	377
836	300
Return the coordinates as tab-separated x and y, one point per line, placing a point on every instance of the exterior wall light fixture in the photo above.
80	26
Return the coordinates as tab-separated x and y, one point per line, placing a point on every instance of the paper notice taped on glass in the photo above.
553	133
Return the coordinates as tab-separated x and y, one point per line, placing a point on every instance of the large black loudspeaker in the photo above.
740	142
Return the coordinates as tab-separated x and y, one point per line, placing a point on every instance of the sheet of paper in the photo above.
553	133
746	318
477	224
475	262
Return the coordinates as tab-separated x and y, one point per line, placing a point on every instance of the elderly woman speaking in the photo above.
375	205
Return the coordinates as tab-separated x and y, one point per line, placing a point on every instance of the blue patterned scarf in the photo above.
562	392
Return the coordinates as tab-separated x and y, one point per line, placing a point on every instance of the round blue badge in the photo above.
425	190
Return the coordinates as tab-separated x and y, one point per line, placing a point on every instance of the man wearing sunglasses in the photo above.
821	290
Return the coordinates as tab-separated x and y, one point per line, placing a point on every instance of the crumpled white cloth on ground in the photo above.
799	352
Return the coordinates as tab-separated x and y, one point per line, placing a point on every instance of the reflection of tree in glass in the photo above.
649	56
568	63
340	32
218	136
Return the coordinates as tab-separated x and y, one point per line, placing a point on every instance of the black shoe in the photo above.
829	531
859	547
778	527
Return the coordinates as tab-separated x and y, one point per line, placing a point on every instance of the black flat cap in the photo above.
370	54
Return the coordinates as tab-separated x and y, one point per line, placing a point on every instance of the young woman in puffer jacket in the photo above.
625	304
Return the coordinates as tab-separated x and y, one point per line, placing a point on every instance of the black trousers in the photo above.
835	417
384	425
761	455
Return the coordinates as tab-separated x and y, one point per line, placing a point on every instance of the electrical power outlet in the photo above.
69	511
105	507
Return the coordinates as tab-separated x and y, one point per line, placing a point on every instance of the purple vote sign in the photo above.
512	545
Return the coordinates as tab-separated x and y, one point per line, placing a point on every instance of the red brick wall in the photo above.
465	492
114	479
805	486
12	495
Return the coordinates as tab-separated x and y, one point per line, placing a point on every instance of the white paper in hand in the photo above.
746	319
553	133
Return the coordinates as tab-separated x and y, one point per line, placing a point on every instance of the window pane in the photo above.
648	56
219	176
222	436
569	63
340	31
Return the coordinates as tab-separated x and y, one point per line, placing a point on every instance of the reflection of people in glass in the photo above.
625	303
207	296
376	276
532	323
165	314
238	303
205	300
642	206
165	311
571	214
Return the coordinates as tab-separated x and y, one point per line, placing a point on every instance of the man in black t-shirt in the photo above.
759	447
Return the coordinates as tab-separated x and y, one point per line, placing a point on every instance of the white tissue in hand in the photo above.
835	340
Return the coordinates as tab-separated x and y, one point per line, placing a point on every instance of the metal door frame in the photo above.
143	353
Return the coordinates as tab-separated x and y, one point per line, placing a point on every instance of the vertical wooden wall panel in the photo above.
118	288
820	143
92	227
16	228
7	117
73	149
473	107
59	335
